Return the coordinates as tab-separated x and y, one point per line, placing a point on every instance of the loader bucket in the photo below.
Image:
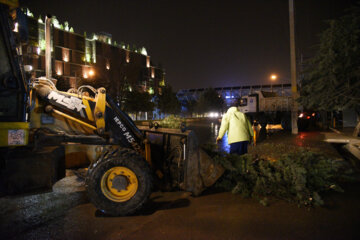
179	162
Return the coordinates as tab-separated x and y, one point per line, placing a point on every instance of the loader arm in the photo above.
100	115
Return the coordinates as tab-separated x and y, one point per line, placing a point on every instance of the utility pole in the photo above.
48	70
294	110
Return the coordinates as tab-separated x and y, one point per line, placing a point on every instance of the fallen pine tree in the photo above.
298	176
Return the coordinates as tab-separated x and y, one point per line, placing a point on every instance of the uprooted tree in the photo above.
332	76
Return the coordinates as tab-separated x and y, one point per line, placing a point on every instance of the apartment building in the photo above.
90	59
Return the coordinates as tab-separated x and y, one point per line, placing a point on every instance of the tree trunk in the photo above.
357	129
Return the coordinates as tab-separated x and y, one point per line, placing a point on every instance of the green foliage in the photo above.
209	101
136	101
297	177
167	102
171	122
332	77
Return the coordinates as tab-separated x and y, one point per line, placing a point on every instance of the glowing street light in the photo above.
273	77
91	73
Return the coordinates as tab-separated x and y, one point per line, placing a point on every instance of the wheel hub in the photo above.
119	183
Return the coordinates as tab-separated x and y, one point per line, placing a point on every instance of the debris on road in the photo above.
291	173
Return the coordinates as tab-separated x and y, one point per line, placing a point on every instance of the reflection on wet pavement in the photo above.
207	131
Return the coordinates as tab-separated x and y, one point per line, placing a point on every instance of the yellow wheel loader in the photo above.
43	130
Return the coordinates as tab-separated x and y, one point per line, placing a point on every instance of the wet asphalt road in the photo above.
66	212
177	215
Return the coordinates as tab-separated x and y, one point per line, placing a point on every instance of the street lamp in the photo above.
273	77
91	73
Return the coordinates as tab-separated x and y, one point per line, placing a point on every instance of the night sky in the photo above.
204	43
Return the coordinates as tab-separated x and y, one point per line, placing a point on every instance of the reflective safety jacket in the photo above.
237	125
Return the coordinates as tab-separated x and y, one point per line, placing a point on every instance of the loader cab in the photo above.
13	87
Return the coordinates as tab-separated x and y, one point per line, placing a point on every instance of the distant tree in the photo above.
136	102
209	101
332	78
167	101
190	107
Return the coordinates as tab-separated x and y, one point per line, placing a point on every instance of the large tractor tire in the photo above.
119	184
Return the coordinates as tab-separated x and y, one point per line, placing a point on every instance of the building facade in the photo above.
94	59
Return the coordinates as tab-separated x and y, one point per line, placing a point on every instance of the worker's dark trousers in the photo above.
239	147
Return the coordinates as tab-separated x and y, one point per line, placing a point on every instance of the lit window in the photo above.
65	54
87	72
16	27
127	56
42	44
147	61
152	72
59	68
87	57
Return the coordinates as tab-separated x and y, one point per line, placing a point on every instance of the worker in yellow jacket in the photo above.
239	130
